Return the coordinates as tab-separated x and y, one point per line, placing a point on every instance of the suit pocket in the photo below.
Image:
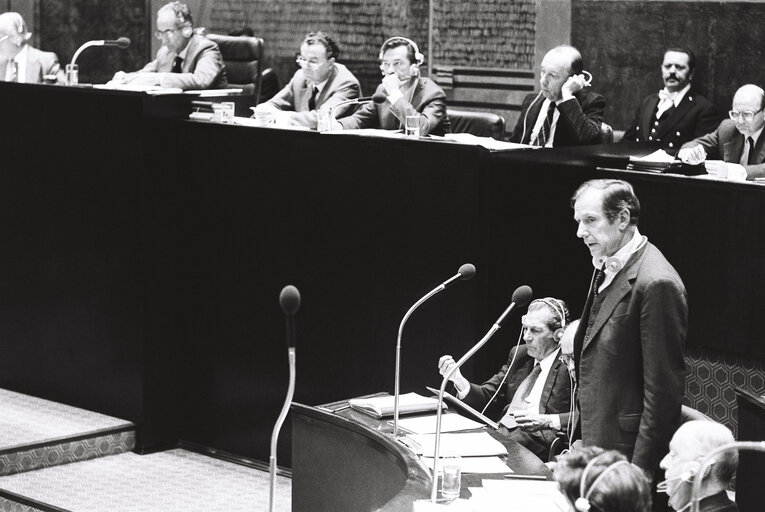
629	422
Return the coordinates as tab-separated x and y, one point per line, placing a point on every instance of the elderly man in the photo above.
186	59
564	113
737	141
20	62
406	93
534	380
629	346
675	115
320	83
692	442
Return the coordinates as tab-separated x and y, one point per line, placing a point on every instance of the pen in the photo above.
526	477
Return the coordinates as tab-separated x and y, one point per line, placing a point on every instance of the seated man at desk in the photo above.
534	380
405	92
186	60
735	149
564	113
20	62
320	83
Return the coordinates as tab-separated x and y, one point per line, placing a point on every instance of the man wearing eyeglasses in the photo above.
20	62
735	150
186	60
676	114
320	83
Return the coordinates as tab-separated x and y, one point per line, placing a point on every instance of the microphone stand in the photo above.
278	426
758	446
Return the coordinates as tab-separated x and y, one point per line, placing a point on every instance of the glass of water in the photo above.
412	125
452	476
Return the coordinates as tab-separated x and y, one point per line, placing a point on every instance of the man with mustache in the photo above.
675	115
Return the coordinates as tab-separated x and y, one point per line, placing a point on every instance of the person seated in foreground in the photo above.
19	61
320	83
186	60
735	149
405	92
690	445
595	480
565	112
533	381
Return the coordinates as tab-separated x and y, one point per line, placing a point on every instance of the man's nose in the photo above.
580	231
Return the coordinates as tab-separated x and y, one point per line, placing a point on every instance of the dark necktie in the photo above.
177	61
531	380
600	276
748	154
544	133
312	100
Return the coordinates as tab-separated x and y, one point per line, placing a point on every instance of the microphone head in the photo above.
289	300
467	270
379	97
522	295
123	42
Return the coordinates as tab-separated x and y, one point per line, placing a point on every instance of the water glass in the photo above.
412	125
323	121
452	476
71	73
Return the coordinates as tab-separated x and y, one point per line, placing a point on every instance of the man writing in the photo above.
675	115
186	60
564	113
735	150
20	62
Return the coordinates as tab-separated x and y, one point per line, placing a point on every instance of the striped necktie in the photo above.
544	133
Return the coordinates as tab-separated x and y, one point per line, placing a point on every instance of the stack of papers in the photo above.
427	424
479	444
383	405
486	142
506	495
657	161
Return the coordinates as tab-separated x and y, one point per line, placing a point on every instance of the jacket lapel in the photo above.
549	385
733	148
327	87
675	115
650	116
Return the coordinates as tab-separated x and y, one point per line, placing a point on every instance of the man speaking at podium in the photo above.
533	382
186	60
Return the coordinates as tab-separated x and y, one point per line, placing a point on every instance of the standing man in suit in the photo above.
534	380
320	83
20	62
738	141
564	113
186	60
675	115
629	346
405	91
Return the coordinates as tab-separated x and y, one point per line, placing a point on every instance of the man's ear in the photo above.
624	218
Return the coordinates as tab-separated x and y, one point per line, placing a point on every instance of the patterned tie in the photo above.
177	61
544	133
312	100
600	276
518	403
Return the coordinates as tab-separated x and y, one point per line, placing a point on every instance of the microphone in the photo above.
757	446
521	297
465	272
377	97
289	300
121	43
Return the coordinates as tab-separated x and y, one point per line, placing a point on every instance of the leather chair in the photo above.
606	134
243	58
481	124
691	414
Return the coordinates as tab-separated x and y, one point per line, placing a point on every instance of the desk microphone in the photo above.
465	272
289	300
377	97
121	43
521	297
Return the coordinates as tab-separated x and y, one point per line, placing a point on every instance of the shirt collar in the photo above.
676	96
755	137
546	363
22	55
617	262
182	54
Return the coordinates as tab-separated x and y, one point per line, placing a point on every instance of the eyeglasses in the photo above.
395	64
160	34
746	115
303	62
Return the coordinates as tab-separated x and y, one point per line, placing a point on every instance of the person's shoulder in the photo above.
429	85
699	100
656	268
343	73
587	95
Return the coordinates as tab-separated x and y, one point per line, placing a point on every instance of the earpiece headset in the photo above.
183	17
582	503
21	28
419	58
557	307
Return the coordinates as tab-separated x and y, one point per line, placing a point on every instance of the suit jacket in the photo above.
727	143
579	122
631	371
39	64
341	85
693	117
717	503
201	69
427	98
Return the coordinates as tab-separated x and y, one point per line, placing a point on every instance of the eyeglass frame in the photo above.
736	114
301	61
159	34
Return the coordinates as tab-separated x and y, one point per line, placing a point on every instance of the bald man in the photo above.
20	62
735	150
565	112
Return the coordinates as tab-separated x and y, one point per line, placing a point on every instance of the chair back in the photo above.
690	414
481	124
243	57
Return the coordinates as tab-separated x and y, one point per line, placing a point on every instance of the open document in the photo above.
383	405
468	444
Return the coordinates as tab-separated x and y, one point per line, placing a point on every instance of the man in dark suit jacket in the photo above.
533	382
321	83
629	345
20	62
186	60
675	115
564	113
405	92
738	141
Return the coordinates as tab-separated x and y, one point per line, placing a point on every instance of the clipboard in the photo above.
462	405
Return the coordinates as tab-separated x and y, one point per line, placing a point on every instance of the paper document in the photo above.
154	90
524	495
213	92
458	505
479	465
659	156
486	142
427	424
372	132
467	444
462	405
383	405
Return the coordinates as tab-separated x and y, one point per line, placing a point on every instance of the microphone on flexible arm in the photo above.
377	97
289	300
121	43
465	272
521	297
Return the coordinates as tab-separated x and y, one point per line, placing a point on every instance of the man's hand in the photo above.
692	156
391	83
573	85
445	365
717	168
533	422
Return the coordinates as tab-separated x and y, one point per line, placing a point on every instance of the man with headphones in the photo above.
406	93
565	112
534	380
20	62
186	59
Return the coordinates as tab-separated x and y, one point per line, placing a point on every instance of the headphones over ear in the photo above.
419	58
582	503
187	31
557	306
21	28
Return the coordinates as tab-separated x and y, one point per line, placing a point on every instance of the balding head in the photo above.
558	64
747	104
13	34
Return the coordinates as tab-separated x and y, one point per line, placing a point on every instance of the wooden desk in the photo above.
348	461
